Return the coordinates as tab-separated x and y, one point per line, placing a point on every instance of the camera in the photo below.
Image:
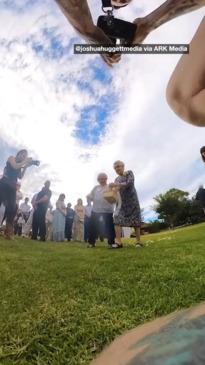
35	162
117	29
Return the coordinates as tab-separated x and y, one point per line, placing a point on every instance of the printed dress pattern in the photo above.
128	214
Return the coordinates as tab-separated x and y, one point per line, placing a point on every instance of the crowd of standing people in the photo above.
110	206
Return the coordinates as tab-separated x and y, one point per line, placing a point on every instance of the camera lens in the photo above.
36	162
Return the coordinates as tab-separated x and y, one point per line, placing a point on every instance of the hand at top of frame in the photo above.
143	30
111	59
97	36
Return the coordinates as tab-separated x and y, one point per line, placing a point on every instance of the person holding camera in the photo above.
15	169
41	204
79	16
185	91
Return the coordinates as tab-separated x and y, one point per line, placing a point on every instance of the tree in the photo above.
195	211
156	226
172	206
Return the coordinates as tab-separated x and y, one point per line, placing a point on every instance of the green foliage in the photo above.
62	304
176	208
195	211
156	226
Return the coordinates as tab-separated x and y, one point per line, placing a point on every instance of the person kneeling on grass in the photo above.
128	214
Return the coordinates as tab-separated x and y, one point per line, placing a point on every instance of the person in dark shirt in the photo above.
69	222
39	216
15	169
202	152
200	196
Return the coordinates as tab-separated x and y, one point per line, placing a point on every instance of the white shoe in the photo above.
116	245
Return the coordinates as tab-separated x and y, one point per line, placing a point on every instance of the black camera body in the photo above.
36	163
117	29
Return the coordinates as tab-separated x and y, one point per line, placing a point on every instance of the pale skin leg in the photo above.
186	88
118	233
137	232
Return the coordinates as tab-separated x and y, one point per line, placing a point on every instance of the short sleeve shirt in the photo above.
100	205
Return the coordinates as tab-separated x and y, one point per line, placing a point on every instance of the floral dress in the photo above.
128	212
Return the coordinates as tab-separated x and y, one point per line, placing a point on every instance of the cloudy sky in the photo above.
77	116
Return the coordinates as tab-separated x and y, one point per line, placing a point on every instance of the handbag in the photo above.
111	196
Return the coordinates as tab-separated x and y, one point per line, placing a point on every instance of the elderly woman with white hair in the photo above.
128	214
102	213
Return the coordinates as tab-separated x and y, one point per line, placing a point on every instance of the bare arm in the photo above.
33	200
91	195
19	165
23	172
129	181
79	16
169	10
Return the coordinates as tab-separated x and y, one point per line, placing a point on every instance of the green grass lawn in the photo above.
63	303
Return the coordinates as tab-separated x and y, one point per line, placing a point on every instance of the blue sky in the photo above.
19	6
77	116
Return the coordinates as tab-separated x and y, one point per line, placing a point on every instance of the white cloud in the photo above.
143	131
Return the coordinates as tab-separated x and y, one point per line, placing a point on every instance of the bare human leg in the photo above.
137	233
118	234
186	88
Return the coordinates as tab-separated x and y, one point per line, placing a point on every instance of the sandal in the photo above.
116	245
138	245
